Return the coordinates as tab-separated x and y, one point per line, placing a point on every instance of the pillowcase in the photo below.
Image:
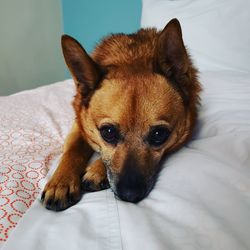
216	32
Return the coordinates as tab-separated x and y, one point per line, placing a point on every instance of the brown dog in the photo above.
136	101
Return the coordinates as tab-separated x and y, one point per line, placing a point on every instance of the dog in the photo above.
136	101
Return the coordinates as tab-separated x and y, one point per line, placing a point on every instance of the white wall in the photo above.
30	53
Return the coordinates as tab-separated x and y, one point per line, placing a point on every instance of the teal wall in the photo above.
30	53
89	20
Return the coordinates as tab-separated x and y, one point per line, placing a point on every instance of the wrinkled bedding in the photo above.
201	200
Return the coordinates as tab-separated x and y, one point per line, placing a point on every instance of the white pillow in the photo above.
216	32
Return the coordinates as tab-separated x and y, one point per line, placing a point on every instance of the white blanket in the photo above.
201	200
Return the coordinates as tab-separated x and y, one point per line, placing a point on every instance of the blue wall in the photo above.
90	20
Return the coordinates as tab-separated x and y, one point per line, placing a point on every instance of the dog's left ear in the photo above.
85	72
171	56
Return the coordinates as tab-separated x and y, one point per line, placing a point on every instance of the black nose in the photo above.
129	194
132	186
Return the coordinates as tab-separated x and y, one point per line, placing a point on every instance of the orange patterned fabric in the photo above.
33	125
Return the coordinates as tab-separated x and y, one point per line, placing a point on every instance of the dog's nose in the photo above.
132	184
130	195
131	188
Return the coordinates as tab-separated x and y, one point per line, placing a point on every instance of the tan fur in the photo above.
95	173
131	83
66	181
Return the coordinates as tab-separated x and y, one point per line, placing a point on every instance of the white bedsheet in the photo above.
201	200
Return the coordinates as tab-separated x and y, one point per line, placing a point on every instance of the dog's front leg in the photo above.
64	188
95	178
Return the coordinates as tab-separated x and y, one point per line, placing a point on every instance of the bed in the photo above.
202	198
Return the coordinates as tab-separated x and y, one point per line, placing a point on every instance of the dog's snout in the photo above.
132	183
130	195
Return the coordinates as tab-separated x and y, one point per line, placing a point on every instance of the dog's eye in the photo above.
158	135
110	134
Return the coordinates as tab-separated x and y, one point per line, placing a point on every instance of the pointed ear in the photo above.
85	72
171	55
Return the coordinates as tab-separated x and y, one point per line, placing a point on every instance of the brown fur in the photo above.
134	82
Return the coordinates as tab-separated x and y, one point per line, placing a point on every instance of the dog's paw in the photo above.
95	178
92	186
60	194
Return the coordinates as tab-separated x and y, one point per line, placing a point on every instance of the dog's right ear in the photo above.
85	72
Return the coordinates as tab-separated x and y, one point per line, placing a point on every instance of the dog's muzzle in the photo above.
129	186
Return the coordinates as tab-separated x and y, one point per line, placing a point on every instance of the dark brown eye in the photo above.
110	134
158	135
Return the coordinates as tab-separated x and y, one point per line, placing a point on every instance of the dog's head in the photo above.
136	101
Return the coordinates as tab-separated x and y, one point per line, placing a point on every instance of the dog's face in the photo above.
131	113
132	126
